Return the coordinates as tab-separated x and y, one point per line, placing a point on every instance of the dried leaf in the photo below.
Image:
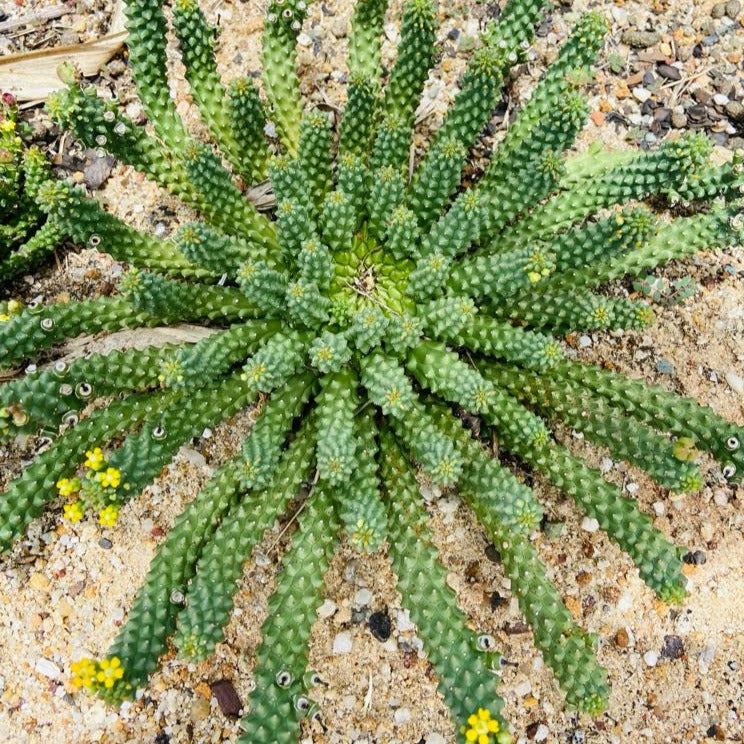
32	76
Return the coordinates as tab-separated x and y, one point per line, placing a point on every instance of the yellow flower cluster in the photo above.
95	492
108	516
94	459
93	674
68	486
74	511
109	478
481	726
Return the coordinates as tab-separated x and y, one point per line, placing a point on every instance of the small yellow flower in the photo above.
74	511
481	727
83	673
4	317
108	516
7	125
109	478
68	486
110	670
94	459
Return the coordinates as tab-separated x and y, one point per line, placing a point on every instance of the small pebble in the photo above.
589	524
47	668
673	648
585	341
639	39
200	709
342	643
718	10
735	382
327	609
733	8
362	598
621	638
641	94
735	111
105	543
651	657
720	100
403	621
402	716
664	367
720	497
435	738
542	732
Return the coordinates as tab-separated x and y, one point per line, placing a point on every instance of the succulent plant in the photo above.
372	309
27	236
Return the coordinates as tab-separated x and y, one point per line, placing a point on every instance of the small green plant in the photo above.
27	237
363	317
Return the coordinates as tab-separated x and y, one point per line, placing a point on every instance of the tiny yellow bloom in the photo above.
94	459
73	512
481	727
109	478
108	516
7	125
110	670
68	486
534	277
83	673
4	317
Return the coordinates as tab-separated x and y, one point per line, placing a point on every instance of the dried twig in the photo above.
31	19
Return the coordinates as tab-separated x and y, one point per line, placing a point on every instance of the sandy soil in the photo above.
64	594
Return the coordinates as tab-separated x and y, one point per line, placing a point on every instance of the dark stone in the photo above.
454	34
492	554
380	625
105	543
716	732
670	72
531	730
673	648
662	113
227	698
497	601
649	78
696	558
162	738
697	113
516	628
